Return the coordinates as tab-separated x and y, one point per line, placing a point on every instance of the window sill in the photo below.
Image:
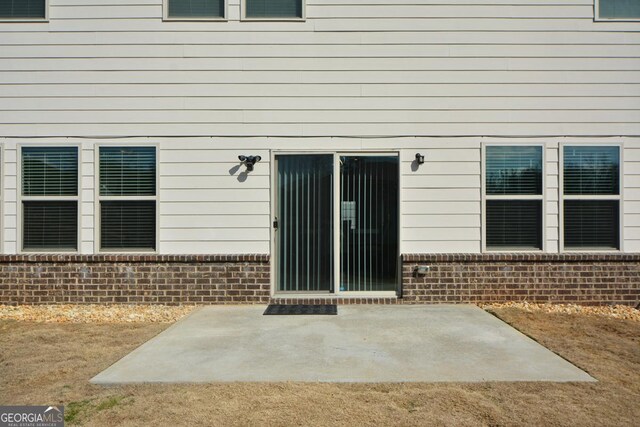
23	20
195	19
616	19
273	20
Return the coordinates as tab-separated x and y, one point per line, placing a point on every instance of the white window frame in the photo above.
540	197
20	199
99	199
619	197
45	19
166	17
596	15
244	17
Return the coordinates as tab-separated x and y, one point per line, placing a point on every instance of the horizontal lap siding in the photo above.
354	68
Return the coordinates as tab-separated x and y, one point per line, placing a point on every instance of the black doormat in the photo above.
301	309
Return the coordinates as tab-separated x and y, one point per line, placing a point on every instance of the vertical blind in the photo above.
127	171
305	216
619	9
514	170
196	8
591	224
22	9
514	224
49	171
50	225
128	224
591	170
274	8
369	223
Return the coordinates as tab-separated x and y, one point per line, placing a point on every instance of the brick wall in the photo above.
245	279
139	279
588	279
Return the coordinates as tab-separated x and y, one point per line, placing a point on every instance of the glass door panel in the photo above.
369	223
304	215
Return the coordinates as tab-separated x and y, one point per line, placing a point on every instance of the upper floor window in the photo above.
513	197
618	9
274	9
591	202
23	9
195	9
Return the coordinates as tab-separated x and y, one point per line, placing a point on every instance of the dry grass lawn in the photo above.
51	364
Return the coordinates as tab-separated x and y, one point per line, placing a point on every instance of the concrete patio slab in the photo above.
361	344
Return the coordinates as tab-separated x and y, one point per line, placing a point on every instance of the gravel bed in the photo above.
94	313
614	311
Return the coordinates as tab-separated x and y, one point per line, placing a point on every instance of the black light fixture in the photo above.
249	161
419	159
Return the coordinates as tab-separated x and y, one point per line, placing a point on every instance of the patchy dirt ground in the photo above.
49	363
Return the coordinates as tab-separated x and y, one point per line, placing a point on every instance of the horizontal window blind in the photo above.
620	9
196	8
274	8
591	170
50	171
32	9
50	225
591	224
127	171
513	170
514	224
128	225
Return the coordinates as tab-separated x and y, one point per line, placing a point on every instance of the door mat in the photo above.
301	309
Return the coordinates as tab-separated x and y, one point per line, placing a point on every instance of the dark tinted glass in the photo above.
30	9
128	225
591	224
274	8
514	170
50	171
591	170
127	171
196	9
513	224
50	225
620	9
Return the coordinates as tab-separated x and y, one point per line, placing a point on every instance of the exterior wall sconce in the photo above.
419	159
249	161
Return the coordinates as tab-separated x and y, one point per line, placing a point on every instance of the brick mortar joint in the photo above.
132	258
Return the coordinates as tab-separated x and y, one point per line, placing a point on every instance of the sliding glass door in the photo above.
304	221
336	221
369	223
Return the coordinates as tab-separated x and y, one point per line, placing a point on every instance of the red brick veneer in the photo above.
139	279
245	279
558	278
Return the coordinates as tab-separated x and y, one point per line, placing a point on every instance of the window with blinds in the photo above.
23	9
195	9
591	197
286	9
49	198
618	9
513	192
128	199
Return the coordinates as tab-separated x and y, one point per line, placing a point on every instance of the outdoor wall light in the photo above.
249	161
419	159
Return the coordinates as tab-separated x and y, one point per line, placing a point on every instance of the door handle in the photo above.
275	223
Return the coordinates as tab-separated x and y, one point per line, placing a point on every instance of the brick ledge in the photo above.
132	258
521	257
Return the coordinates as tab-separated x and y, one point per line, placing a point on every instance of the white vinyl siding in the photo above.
353	68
